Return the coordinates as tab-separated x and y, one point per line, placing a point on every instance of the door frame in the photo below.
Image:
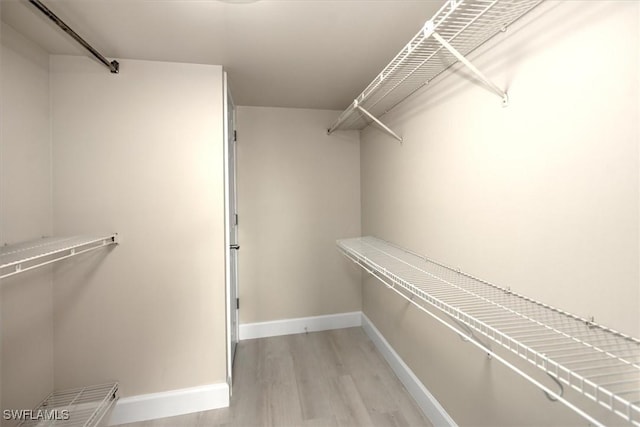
231	309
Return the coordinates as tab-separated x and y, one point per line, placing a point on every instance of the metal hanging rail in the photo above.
113	66
456	30
26	256
599	363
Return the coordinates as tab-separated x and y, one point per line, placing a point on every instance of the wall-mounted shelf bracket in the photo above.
376	121
355	106
460	57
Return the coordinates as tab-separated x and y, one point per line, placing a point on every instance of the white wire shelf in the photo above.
457	29
80	407
25	256
598	362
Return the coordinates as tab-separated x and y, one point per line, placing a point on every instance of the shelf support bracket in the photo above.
376	121
492	86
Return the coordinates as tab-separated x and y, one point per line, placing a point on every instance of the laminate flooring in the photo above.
319	379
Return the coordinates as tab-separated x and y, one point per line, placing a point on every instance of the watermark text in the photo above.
36	414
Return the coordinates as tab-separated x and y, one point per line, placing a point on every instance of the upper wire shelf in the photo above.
22	257
598	362
79	407
457	29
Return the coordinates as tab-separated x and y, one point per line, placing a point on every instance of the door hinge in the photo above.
237	303
236	219
235	136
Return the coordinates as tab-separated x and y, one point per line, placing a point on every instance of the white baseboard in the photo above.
300	325
170	403
425	400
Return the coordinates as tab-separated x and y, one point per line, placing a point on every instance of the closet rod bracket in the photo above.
479	74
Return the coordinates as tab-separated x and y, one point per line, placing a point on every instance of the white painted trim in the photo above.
425	400
300	325
170	403
227	229
231	311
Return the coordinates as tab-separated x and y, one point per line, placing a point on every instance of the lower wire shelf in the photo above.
79	407
21	257
598	362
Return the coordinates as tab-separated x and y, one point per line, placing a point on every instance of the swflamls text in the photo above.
36	414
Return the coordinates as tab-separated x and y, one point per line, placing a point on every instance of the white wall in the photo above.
541	196
141	154
298	191
26	317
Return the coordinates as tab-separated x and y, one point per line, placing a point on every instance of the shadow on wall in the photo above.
559	18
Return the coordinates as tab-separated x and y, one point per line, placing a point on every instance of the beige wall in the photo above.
541	196
141	154
298	191
26	359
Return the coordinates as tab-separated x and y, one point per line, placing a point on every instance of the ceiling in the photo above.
281	53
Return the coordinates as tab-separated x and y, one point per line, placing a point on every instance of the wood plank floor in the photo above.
331	378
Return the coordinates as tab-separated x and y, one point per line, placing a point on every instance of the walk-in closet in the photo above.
319	213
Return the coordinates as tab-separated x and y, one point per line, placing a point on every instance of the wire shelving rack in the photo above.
79	407
456	30
22	257
598	362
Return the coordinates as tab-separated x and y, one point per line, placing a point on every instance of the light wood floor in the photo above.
332	378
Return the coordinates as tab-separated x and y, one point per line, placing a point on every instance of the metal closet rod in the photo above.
113	66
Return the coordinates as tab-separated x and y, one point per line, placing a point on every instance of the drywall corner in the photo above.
26	318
